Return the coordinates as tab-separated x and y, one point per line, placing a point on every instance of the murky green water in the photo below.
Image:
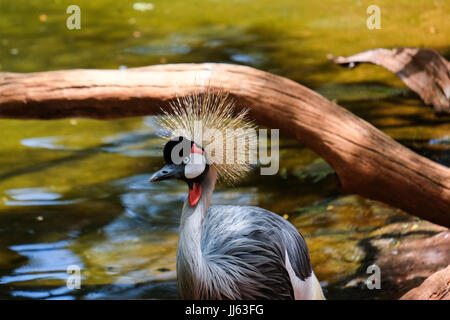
74	191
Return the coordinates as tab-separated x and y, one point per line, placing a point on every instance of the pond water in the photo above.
75	191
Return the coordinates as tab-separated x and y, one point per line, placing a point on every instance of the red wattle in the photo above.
194	194
195	149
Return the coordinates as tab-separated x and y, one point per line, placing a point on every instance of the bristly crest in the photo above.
229	139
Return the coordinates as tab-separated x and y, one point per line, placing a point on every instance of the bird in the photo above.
227	252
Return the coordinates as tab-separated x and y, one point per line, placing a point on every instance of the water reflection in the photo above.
122	231
159	49
35	197
139	143
47	262
444	141
76	191
133	254
44	142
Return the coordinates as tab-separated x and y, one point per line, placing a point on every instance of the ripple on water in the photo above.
136	143
45	143
47	263
249	59
35	197
161	49
444	141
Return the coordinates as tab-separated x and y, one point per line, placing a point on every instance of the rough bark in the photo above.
435	287
424	71
366	160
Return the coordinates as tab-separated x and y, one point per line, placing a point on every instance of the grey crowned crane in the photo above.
226	251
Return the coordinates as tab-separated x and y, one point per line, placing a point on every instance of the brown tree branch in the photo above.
424	71
366	160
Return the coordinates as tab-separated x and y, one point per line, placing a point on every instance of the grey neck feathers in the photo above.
189	255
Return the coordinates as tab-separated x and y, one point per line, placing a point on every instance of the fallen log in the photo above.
367	162
424	71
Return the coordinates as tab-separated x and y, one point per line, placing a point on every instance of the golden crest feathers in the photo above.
209	119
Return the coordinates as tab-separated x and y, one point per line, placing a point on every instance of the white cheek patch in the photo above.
196	166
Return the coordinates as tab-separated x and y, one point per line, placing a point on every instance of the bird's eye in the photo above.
186	160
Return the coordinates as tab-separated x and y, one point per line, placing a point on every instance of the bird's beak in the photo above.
170	171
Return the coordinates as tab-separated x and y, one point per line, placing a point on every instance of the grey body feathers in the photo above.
243	251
